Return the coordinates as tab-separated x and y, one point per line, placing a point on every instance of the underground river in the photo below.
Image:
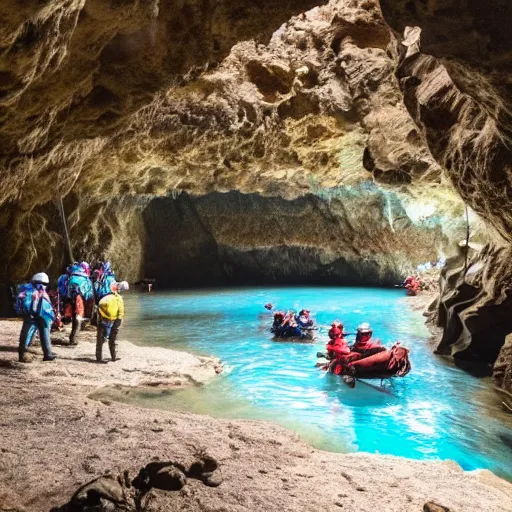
437	412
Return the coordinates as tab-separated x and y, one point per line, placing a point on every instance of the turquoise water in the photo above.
436	412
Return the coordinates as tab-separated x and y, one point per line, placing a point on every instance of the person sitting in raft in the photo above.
293	330
337	348
288	327
278	322
38	315
110	317
337	345
303	319
364	344
412	285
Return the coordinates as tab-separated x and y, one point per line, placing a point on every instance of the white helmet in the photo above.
364	327
123	285
41	278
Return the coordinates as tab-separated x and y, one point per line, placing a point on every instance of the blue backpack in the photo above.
23	305
80	285
62	285
103	286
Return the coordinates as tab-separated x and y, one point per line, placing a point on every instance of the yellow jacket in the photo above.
111	307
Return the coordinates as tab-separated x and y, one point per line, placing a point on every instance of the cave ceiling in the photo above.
110	99
74	72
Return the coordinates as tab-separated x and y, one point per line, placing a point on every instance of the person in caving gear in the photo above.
65	306
338	351
303	319
336	330
110	318
80	294
38	315
103	280
337	345
289	327
57	324
412	285
293	330
364	343
278	322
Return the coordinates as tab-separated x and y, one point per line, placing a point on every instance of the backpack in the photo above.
79	285
103	286
23	304
62	285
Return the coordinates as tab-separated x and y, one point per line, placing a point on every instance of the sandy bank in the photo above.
54	439
76	365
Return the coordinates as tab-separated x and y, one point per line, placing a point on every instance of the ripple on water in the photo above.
436	412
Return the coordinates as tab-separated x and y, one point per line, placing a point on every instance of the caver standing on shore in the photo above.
34	304
80	293
110	317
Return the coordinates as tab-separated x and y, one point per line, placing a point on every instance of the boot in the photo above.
23	357
46	343
76	328
112	348
99	348
112	339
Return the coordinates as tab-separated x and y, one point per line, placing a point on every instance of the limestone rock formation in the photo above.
110	104
455	70
361	236
503	371
318	107
474	310
154	488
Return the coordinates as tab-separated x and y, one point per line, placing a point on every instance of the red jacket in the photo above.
337	347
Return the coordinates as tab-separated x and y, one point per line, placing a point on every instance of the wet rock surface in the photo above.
61	448
434	507
118	493
474	310
454	70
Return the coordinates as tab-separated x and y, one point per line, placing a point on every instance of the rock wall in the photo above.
317	107
361	236
474	310
454	70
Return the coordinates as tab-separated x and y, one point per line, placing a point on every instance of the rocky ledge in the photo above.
108	456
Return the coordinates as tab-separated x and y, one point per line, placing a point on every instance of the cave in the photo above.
235	239
235	144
